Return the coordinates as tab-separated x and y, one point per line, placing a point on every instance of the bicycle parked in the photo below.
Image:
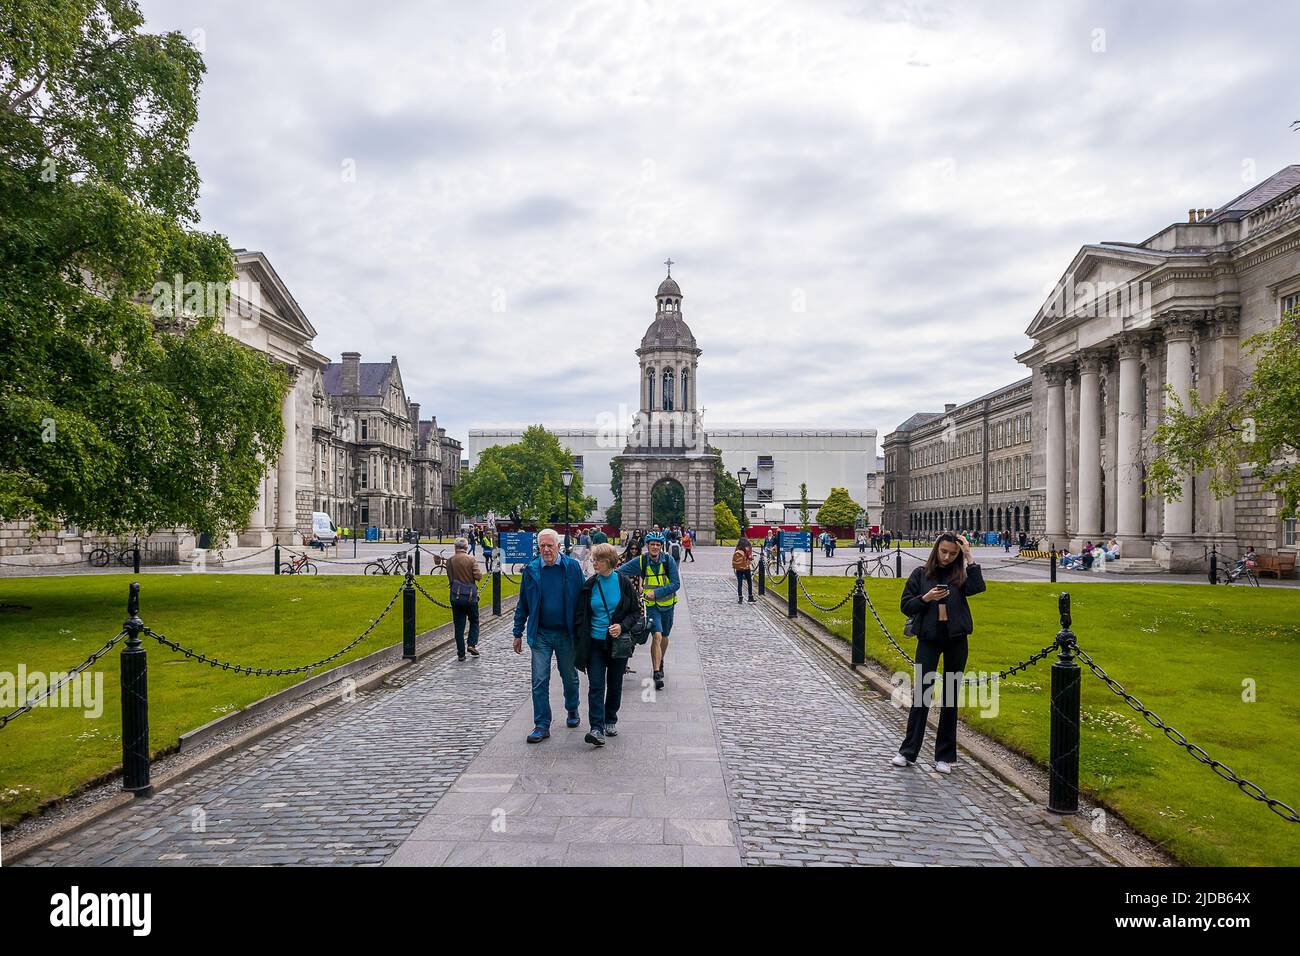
298	564
394	564
878	567
103	554
1241	571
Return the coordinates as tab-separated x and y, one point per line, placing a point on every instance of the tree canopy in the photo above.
109	418
522	481
725	524
839	510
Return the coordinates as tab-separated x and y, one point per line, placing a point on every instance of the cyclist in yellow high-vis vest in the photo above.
659	582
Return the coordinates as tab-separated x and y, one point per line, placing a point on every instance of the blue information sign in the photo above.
796	540
517	546
372	534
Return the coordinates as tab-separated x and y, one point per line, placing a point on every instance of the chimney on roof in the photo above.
351	373
949	406
414	408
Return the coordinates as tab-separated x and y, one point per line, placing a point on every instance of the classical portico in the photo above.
1128	330
666	442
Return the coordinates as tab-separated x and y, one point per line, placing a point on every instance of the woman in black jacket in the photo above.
935	599
607	607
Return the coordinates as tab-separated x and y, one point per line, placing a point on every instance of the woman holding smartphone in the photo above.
935	599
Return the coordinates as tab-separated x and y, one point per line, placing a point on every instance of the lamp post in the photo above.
566	477
742	476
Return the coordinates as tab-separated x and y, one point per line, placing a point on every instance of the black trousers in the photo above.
746	576
604	686
954	651
460	614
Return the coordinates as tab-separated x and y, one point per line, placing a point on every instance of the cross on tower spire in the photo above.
669	263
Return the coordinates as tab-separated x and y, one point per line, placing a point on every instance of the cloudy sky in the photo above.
865	202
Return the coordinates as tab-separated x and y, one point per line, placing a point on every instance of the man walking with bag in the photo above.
463	575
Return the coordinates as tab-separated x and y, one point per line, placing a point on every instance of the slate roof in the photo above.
370	377
1286	178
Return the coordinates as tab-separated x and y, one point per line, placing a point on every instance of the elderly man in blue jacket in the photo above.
548	601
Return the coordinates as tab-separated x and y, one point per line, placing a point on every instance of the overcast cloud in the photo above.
864	202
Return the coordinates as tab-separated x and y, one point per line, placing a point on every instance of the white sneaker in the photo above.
900	761
942	767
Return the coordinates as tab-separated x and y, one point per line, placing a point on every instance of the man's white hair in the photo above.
548	531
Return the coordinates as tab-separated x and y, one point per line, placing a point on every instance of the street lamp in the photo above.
566	477
743	477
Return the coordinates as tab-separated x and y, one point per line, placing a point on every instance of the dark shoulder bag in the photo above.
621	646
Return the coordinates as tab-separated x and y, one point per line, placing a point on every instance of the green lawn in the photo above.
1187	652
256	620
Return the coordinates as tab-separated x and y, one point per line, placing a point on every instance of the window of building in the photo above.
669	391
1288	532
650	388
1290	303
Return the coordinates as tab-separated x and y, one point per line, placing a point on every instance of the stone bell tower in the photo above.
667	441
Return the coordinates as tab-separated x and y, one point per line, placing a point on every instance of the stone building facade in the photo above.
967	468
1129	319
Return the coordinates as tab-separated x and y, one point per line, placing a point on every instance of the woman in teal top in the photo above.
607	607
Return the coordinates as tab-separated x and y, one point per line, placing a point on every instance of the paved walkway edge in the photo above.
980	747
443	636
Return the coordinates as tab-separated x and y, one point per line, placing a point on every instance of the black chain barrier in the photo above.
276	671
246	557
821	607
1221	769
29	705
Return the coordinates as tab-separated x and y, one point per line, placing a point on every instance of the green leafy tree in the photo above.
1260	427
803	506
839	510
109	418
668	504
726	488
724	522
523	481
614	513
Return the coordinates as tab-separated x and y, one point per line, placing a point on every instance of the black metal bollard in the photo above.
859	623
408	614
898	560
1063	758
417	559
134	685
1214	566
277	557
136	558
1053	564
792	579
496	593
762	575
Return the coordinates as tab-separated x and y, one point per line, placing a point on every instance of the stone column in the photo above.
1179	330
1128	473
1224	377
1090	517
287	467
256	535
1055	517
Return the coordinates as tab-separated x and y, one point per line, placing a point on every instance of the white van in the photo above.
322	528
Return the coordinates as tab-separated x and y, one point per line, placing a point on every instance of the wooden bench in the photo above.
1278	565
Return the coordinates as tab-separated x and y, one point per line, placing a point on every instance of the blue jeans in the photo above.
561	645
604	686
